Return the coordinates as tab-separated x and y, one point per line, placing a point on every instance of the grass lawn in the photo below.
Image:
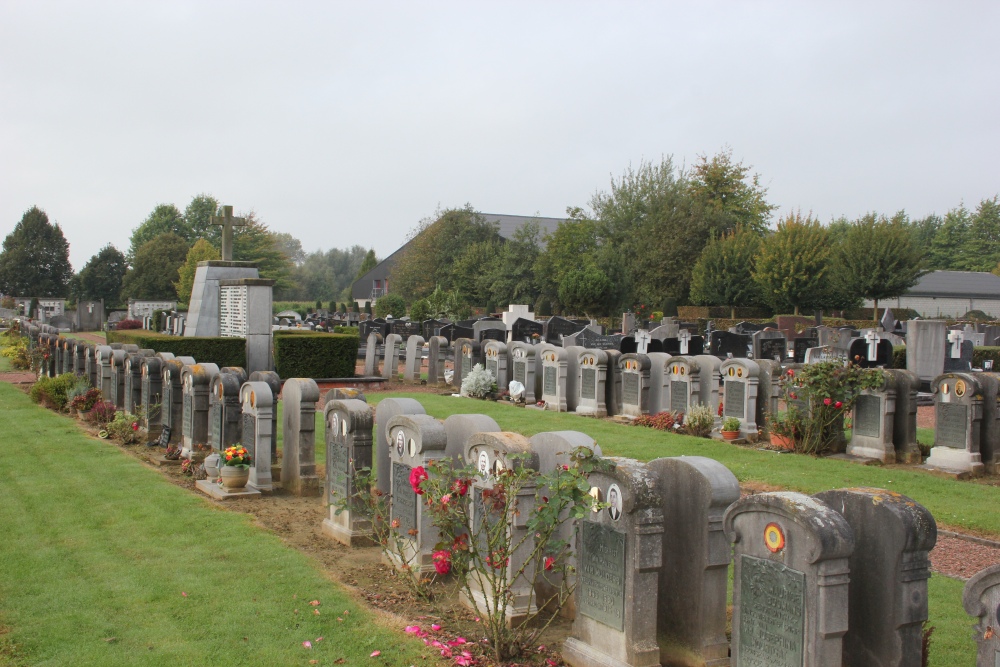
105	562
5	365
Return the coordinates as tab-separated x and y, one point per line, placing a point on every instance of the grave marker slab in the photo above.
390	363
981	599
525	364
274	382
387	409
592	378
372	350
874	421
414	358
724	345
257	402
559	377
172	409
436	350
635	371
497	359
740	379
526	331
225	410
904	430
958	406
298	461
349	425
468	353
770	344
196	381
556	327
925	348
118	378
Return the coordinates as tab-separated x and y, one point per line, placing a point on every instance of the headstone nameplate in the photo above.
588	382
952	425
602	575
549	380
630	388
679	397
868	416
735	397
404	500
771	614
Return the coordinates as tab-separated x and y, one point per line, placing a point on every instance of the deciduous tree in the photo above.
723	275
201	251
154	269
101	277
793	263
35	258
164	219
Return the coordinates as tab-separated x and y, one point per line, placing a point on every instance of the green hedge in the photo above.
350	331
315	355
219	351
979	355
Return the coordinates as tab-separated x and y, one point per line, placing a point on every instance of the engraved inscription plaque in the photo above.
404	500
215	420
772	614
678	396
466	365
735	398
167	399
519	371
493	367
187	428
338	468
250	435
868	416
602	575
549	381
630	388
588	383
952	425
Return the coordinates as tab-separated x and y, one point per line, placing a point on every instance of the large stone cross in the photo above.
956	338
873	340
227	221
684	337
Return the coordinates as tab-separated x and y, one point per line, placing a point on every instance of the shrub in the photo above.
123	428
219	351
52	392
981	354
85	402
315	355
899	356
102	413
730	424
479	383
16	349
125	325
699	420
158	320
390	304
661	421
347	331
420	310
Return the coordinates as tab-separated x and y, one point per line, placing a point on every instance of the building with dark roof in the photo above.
375	283
950	294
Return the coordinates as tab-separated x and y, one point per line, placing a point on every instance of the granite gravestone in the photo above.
372	353
414	358
524	369
257	402
592	340
497	359
467	355
620	555
684	344
390	363
404	329
801	345
196	382
92	371
557	327
151	393
790	584
225	413
904	430
688	384
437	348
591	382
739	393
769	373
725	345
925	348
492	454
958	352
415	441
873	422
887	598
559	376
635	372
348	448
298	450
958	413
526	331
387	409
691	614
872	351
172	408
489	328
981	599
274	382
989	428
118	378
432	327
770	344
613	384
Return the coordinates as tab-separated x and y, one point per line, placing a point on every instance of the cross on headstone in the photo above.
684	336
642	338
227	222
956	338
873	340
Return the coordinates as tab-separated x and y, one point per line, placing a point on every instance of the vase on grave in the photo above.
234	478
783	441
211	464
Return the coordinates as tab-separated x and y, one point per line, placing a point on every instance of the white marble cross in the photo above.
684	336
642	339
873	340
956	337
227	222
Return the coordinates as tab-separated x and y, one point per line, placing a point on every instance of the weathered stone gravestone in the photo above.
298	449
274	382
489	328
591	382
437	347
91	370
691	609
790	584
458	430
989	429
492	453
225	413
524	364
635	371
415	441
133	379
196	382
172	404
497	360
385	411
559	376
725	344
151	392
620	555
390	364
801	345
258	420
414	358
887	597
925	348
348	448
467	355
874	422
692	381
958	410
904	430
981	599
613	384
739	393
117	395
770	344
769	373
372	348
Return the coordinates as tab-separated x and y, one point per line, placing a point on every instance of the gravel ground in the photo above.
960	558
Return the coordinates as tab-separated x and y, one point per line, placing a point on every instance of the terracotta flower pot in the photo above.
730	435
234	477
782	441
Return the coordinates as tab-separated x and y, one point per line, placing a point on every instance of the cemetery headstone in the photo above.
133	380
770	344
619	550
489	328
887	597
989	428
414	358
526	331
740	379
415	440
790	584
590	339
691	613
151	396
497	360
801	345
524	366
635	372
118	378
925	348
904	429
692	381
372	349
196	381
274	382
348	448
437	347
958	413
258	406
981	599
298	460
871	351
873	422
557	327
92	370
404	329
591	382
432	328
459	428
225	411
958	357
559	370
172	403
769	373
724	344
467	355
390	364
613	384
387	409
684	344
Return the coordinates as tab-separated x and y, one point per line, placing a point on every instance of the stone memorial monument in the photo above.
591	382
196	383
298	450
348	448
739	395
958	409
387	409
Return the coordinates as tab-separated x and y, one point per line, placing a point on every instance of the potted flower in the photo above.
730	428
783	428
235	471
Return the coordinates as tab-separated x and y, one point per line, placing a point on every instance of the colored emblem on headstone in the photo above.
774	538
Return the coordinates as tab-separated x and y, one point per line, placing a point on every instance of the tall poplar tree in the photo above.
35	258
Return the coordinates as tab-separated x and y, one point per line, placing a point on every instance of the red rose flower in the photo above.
792	396
417	475
791	372
135	426
460	486
549	561
838	405
442	561
827	401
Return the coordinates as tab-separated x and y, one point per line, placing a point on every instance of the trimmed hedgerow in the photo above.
219	351
349	331
315	355
979	355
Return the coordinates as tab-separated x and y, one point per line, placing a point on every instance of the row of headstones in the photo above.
817	580
554	330
966	422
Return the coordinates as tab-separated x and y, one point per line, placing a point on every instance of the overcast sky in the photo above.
346	123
